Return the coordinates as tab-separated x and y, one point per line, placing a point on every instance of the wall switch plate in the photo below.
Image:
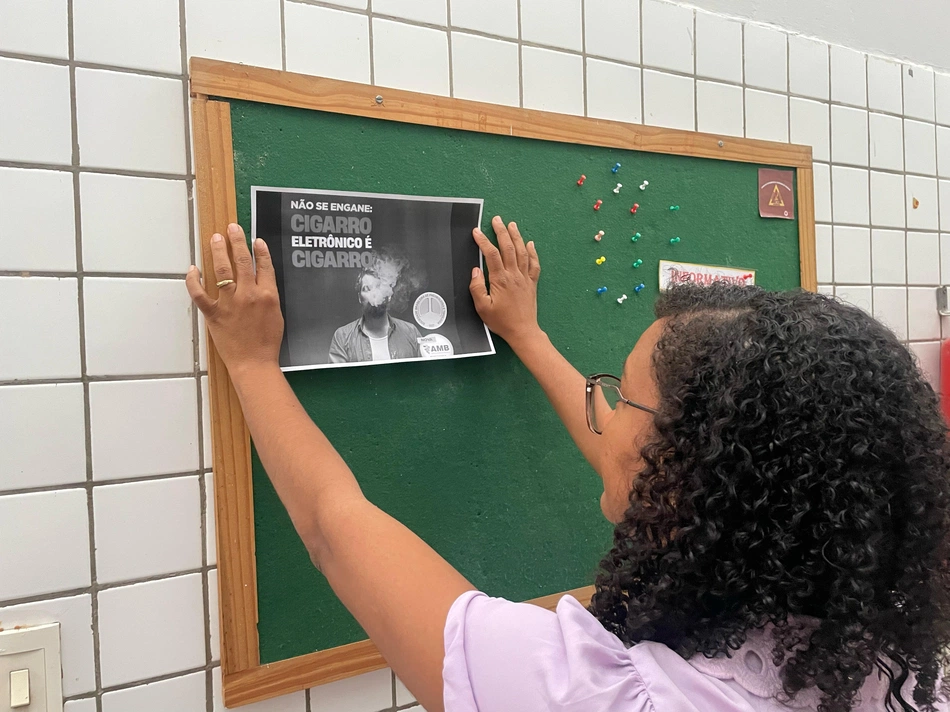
943	301
35	650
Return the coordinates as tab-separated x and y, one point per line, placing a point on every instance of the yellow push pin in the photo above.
600	260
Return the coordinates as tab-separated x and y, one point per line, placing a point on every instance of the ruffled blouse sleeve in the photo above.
502	656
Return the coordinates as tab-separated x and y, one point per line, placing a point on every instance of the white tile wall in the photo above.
718	47
884	85
343	50
552	81
142	428
719	108
919	93
849	81
29	352
887	142
182	694
485	69
497	17
130	122
134	224
74	615
560	55
611	29
667	36
51	554
556	23
766	58
411	57
372	691
668	100
809	123
431	11
766	115
34	121
113	32
147	528
37	220
137	326
808	63
613	91
849	136
37	27
42	436
167	617
246	31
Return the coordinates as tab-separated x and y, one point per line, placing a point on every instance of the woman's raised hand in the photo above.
245	320
509	303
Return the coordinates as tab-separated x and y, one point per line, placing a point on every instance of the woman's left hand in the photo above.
245	320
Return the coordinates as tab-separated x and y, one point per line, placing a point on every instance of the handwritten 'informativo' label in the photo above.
672	273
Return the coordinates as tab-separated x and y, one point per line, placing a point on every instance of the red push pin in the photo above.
580	181
598	204
635	208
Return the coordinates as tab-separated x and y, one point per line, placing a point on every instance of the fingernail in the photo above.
216	238
232	228
192	269
474	272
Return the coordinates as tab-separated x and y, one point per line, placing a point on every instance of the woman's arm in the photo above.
397	587
511	311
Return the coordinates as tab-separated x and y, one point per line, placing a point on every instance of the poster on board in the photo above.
370	278
684	272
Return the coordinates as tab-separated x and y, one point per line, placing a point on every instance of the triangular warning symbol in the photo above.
777	198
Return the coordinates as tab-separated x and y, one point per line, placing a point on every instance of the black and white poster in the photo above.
368	278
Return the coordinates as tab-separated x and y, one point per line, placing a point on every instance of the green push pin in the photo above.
636	237
637	263
674	207
674	240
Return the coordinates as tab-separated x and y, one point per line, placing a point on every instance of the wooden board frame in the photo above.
244	679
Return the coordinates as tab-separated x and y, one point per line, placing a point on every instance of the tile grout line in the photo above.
520	43
283	35
584	56
372	42
448	40
81	323
96	484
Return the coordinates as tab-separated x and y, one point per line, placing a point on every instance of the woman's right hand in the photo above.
509	303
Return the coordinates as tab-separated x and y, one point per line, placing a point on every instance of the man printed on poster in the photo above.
368	278
376	335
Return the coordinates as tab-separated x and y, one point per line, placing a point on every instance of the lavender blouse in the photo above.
515	657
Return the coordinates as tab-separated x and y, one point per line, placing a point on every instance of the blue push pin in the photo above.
639	287
601	290
615	168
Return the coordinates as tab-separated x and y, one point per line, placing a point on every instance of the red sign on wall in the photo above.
776	195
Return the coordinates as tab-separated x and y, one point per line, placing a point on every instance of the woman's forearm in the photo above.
565	388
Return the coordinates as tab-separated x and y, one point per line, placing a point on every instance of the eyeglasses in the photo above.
603	396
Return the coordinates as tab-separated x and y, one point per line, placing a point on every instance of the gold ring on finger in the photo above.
224	283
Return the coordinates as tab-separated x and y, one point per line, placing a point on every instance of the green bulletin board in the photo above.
468	453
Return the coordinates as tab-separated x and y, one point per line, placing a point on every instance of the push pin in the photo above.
617	189
600	260
622	299
637	263
635	208
636	237
601	290
674	207
615	168
644	184
580	181
598	204
599	236
916	203
639	287
674	240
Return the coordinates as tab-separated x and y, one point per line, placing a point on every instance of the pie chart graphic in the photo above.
429	310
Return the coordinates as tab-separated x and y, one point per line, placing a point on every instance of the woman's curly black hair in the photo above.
799	468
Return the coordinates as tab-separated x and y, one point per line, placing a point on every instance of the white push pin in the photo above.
599	236
621	299
643	186
617	189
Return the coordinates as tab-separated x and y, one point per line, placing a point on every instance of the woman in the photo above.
776	469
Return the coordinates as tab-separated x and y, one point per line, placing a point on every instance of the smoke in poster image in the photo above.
369	278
